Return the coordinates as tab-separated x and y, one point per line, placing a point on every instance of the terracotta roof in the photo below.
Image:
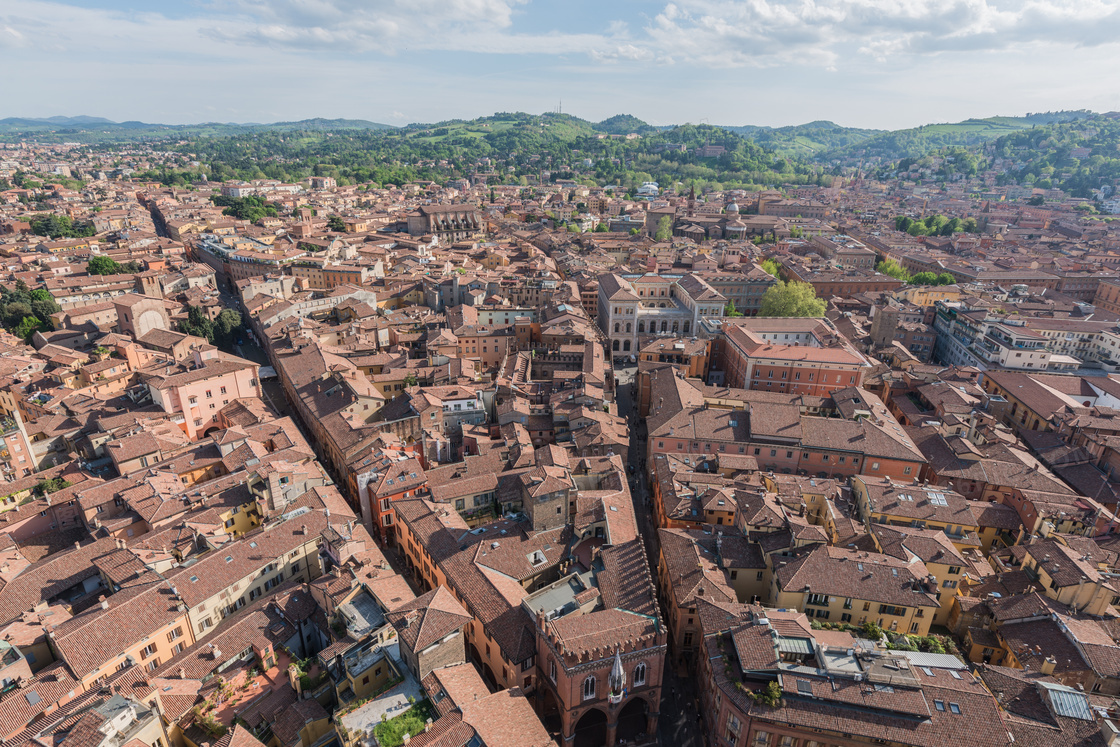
428	618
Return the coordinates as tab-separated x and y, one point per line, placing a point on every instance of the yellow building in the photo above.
886	501
942	560
1070	577
235	574
847	586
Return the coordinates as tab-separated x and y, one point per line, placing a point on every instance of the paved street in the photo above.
679	723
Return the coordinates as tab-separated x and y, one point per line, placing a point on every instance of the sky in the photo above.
883	64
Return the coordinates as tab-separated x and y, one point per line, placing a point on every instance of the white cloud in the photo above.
762	33
434	59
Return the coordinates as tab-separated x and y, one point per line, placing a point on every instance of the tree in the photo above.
52	485
335	223
102	265
601	228
43	309
1036	200
791	299
27	327
946	279
924	278
892	268
771	267
227	327
664	229
198	324
730	310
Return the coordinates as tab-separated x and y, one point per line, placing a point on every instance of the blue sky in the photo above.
863	63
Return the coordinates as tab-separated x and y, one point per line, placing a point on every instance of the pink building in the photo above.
198	388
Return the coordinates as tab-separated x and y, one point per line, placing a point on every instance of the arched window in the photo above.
664	326
676	327
641	327
617	326
640	674
589	688
629	327
626	345
687	326
614	346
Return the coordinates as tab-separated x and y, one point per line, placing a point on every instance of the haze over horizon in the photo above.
883	64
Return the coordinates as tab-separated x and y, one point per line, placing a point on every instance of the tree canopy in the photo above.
935	225
771	267
22	311
249	208
791	299
894	269
223	331
60	227
929	278
664	229
102	265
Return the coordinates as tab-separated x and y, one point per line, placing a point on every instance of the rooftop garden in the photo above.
390	733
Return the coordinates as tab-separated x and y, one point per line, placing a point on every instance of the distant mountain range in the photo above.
89	125
821	141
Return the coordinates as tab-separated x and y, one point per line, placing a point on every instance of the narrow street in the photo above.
679	722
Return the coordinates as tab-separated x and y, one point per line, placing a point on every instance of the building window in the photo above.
589	688
733	727
640	674
552	670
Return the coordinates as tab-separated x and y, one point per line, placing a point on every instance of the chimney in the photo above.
182	673
1048	665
